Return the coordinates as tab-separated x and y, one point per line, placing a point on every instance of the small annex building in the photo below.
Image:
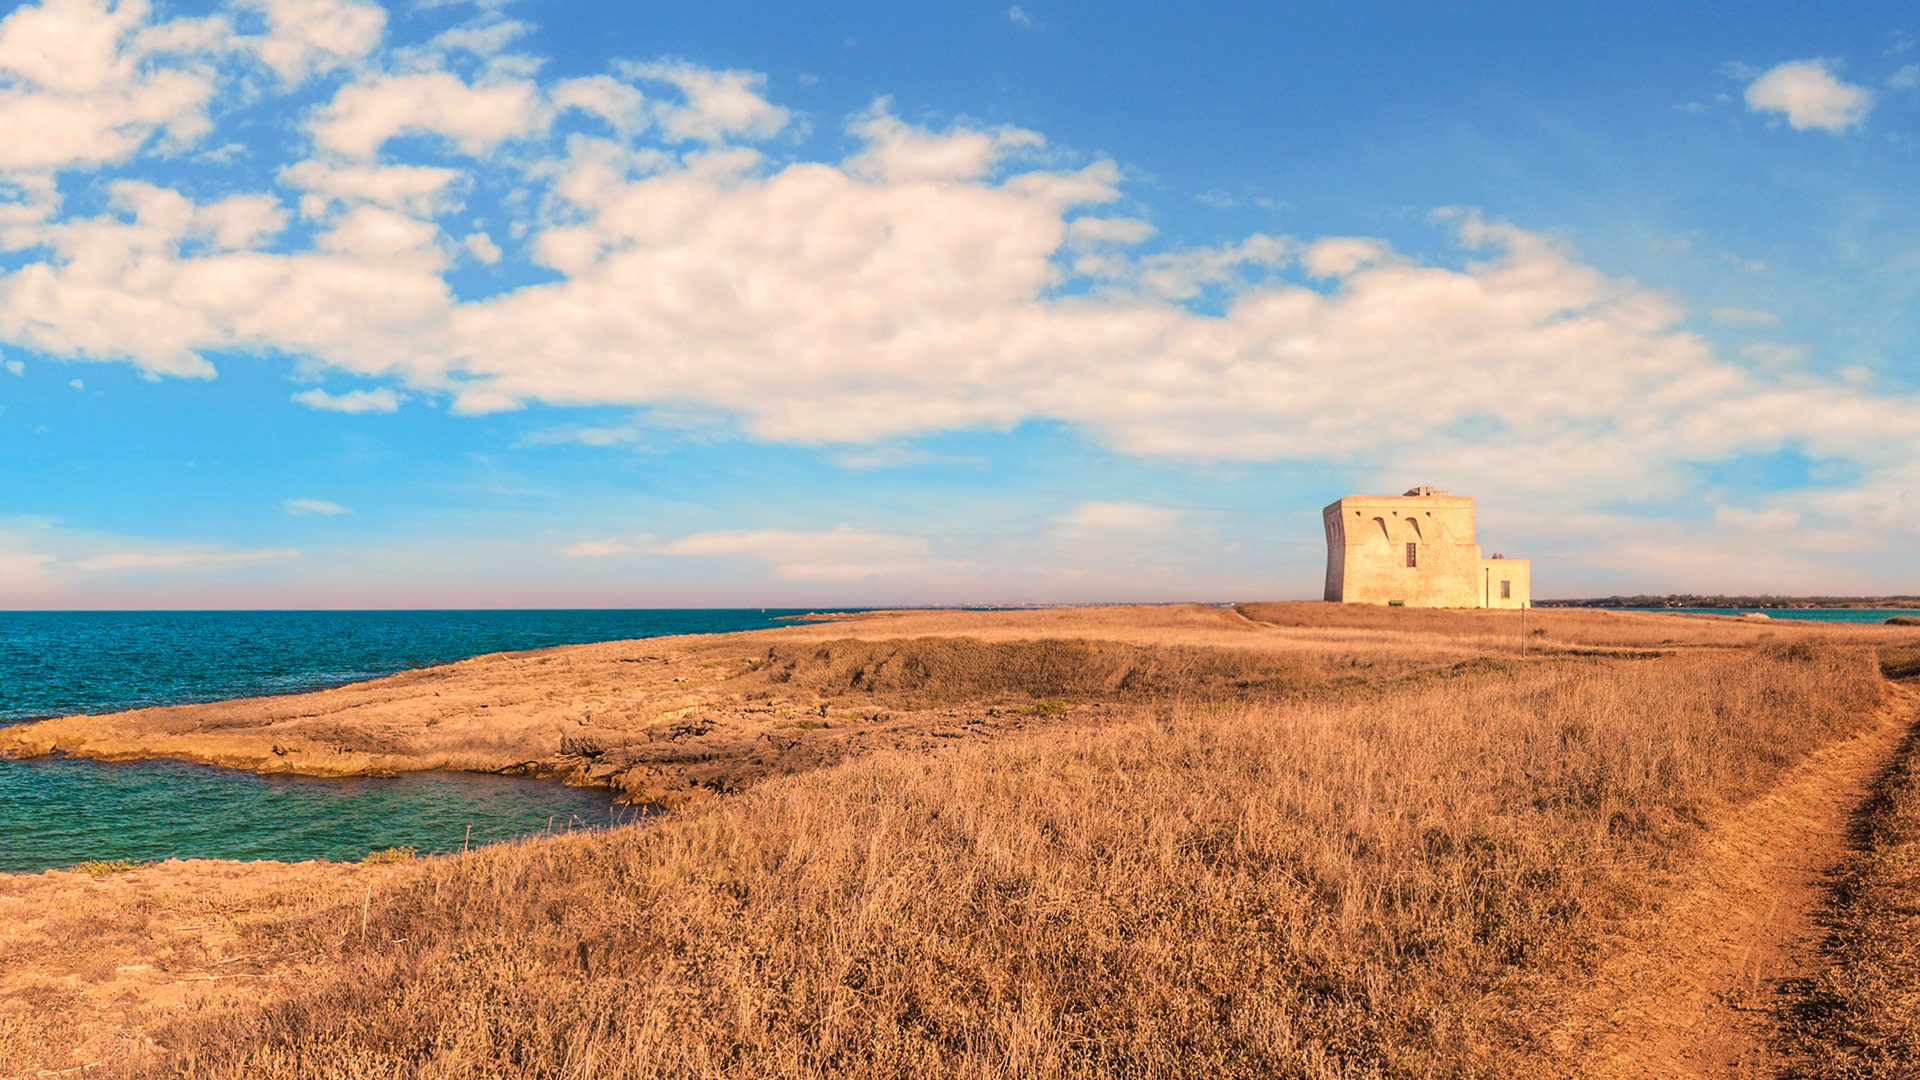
1417	549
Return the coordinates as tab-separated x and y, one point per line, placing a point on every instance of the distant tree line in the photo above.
1690	600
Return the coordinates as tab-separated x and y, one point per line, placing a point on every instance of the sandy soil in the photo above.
1695	990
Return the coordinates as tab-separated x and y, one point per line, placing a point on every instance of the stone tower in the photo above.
1416	549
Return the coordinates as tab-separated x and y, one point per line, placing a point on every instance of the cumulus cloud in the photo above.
934	278
620	104
420	190
320	507
914	286
307	37
474	118
482	248
1810	96
381	400
85	83
714	106
902	153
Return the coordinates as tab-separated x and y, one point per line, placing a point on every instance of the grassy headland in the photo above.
1288	840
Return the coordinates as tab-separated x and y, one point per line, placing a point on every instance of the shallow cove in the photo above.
60	811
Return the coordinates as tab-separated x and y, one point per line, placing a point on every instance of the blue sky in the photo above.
322	303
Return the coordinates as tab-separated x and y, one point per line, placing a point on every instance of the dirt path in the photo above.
1696	995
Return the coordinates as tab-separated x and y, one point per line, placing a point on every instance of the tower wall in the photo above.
1416	549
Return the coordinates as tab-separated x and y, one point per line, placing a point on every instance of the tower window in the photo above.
1506	590
1413	554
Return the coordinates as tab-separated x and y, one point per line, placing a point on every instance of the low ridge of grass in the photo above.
1383	885
931	671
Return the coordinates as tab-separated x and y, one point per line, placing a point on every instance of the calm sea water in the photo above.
1846	615
60	663
61	811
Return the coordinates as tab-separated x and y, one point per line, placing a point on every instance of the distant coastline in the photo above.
1689	600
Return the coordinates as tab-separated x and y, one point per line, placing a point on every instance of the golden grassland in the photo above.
1288	840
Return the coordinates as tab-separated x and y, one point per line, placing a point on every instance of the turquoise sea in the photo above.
61	811
1846	615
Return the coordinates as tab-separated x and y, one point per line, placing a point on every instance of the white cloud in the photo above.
1093	232
936	278
715	105
1809	96
320	507
857	303
475	118
419	190
482	248
307	37
381	400
486	38
619	104
1341	256
46	563
842	554
901	153
83	83
1018	16
1111	518
1906	78
116	289
15	367
114	562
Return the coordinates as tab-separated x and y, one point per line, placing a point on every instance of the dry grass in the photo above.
1562	628
89	963
1388	884
1860	1018
932	672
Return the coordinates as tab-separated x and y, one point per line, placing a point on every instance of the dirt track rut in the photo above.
1697	992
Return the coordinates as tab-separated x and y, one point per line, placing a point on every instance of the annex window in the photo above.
1413	554
1506	590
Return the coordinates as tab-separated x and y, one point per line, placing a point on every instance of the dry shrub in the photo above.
1393	886
931	671
1900	661
1860	1017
